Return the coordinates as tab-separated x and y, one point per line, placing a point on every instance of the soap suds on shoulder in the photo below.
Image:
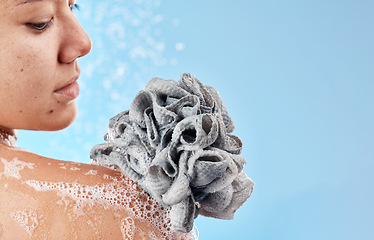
28	219
13	168
122	195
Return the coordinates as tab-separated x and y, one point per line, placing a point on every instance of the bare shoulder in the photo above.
42	198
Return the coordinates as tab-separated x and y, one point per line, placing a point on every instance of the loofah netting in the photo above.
175	142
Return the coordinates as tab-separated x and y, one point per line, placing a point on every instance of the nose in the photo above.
75	42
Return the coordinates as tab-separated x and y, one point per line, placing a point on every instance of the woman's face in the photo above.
40	42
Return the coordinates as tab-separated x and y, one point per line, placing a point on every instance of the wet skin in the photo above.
44	198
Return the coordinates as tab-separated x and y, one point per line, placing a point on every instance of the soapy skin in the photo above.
43	198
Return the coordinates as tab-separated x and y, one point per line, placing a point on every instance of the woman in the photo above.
42	198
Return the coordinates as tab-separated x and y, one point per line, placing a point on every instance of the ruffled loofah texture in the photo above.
175	142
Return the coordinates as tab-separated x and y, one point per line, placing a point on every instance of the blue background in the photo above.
297	78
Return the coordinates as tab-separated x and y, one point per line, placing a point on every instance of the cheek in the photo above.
23	64
31	70
27	85
35	65
29	73
28	78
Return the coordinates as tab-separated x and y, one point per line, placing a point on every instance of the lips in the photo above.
69	91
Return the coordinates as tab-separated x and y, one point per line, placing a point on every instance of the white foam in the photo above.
28	219
127	228
153	236
129	231
13	168
91	172
121	195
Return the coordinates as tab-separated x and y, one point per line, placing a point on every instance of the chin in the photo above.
61	126
46	120
58	121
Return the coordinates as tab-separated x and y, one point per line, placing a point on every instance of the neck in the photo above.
8	137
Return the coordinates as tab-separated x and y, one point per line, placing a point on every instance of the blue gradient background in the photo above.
297	77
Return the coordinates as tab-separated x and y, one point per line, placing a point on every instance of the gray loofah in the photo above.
175	142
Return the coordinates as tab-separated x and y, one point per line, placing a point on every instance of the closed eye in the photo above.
40	26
